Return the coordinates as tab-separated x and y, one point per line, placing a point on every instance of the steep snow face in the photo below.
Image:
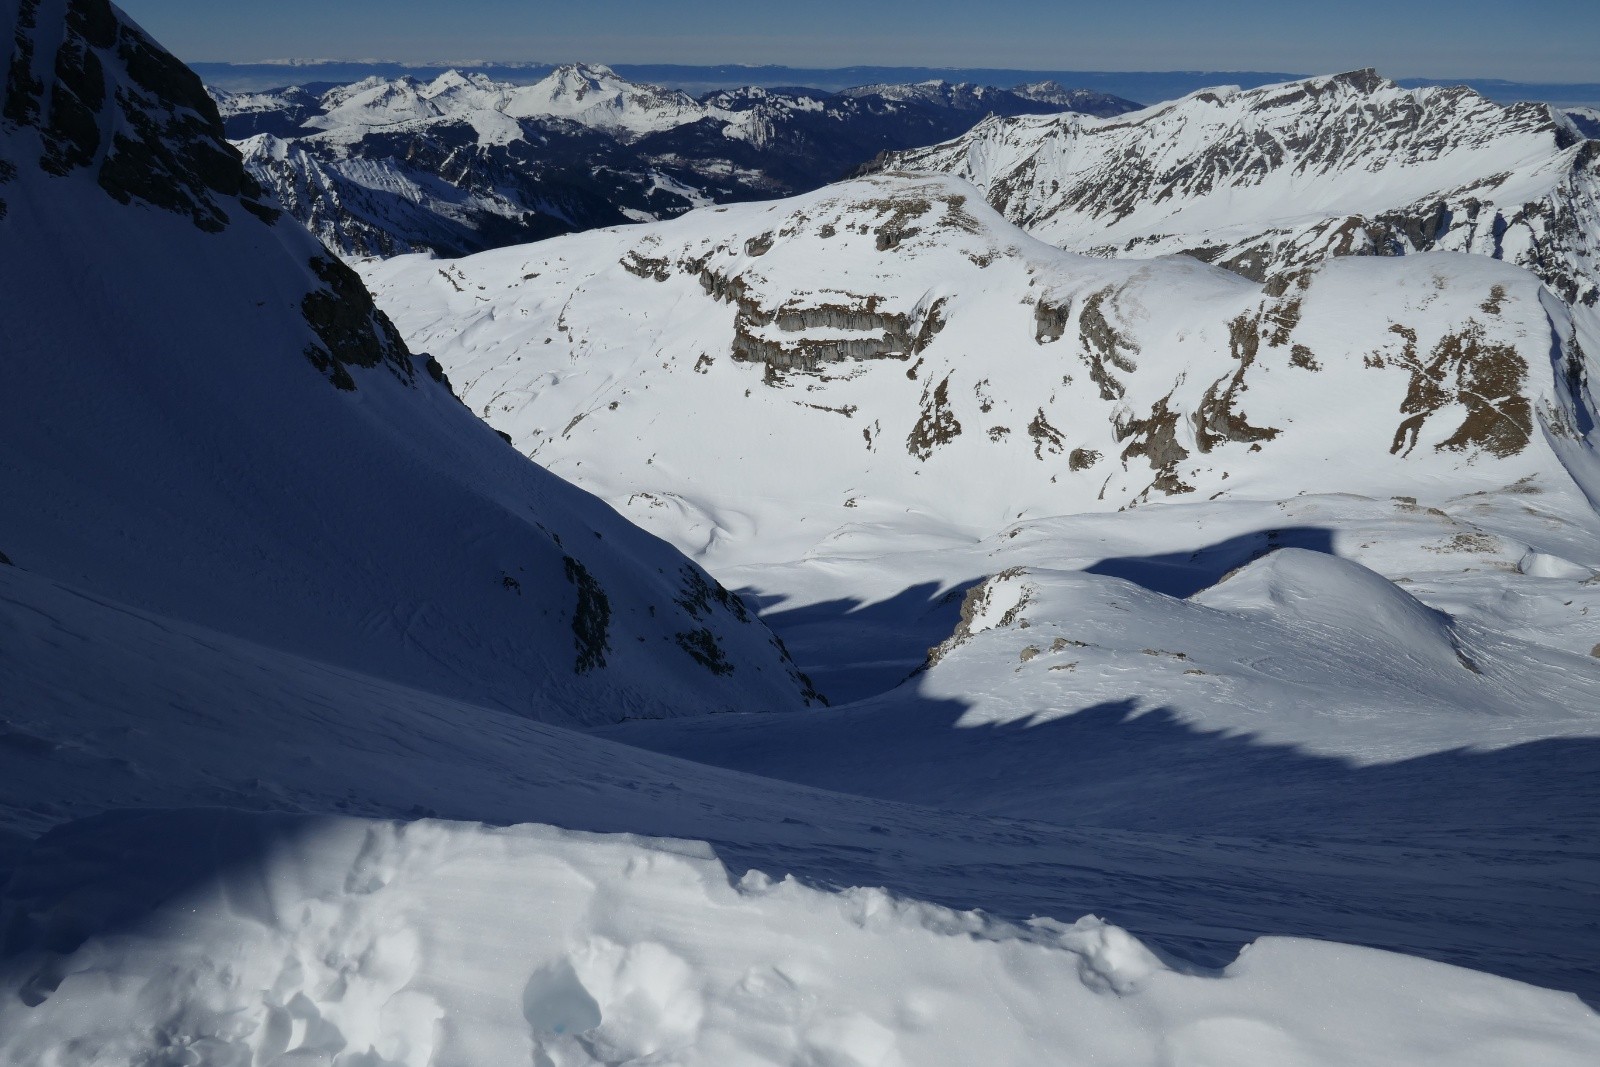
1267	180
205	416
463	163
892	346
340	940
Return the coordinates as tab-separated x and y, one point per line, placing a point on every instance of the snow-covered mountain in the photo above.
1081	101
280	619
1268	180
206	418
463	163
902	423
932	356
986	99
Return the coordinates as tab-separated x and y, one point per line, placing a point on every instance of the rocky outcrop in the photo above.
109	99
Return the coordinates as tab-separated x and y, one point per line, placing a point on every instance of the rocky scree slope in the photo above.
1266	181
463	163
206	417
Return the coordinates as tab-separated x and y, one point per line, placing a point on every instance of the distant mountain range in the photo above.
462	163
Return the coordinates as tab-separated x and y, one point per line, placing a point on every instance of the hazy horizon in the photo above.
1549	41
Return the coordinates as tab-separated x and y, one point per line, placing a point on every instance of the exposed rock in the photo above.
1485	378
1082	459
591	618
1046	438
643	267
1104	344
111	97
1155	437
703	648
936	425
353	332
1217	419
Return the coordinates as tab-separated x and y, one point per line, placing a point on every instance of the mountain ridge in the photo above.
461	163
1263	181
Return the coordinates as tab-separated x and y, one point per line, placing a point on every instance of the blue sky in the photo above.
1528	40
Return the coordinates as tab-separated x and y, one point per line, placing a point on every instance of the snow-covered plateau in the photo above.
1211	660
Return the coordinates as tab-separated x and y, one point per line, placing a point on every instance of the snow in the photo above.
1410	635
1243	682
589	94
1281	169
200	467
632	353
356	941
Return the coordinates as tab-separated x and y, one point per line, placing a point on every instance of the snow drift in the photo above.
338	941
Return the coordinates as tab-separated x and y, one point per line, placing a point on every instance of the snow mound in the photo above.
1319	593
278	940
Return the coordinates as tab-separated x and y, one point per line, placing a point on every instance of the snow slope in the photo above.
409	944
1587	119
1267	180
806	396
939	369
205	416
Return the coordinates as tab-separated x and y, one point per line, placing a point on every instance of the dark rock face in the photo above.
591	618
353	332
111	101
164	145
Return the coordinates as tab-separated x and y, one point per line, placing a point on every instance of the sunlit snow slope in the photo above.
892	351
1266	180
903	425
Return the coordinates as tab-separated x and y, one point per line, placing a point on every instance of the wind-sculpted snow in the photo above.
921	353
1268	180
205	416
289	940
463	163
